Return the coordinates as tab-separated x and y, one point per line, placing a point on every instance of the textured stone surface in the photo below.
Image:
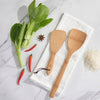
84	84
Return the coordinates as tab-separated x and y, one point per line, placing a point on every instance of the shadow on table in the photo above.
22	14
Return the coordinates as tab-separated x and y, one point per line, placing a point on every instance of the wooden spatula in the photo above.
75	40
57	39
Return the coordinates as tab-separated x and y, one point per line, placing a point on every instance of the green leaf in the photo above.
18	42
37	19
42	24
17	34
20	35
45	22
15	30
39	13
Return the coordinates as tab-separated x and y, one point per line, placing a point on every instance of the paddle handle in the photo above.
60	75
50	63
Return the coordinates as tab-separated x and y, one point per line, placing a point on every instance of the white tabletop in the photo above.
83	85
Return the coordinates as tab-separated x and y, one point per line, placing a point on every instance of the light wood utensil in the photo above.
57	39
75	40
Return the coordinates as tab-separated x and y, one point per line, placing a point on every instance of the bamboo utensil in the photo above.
57	39
75	41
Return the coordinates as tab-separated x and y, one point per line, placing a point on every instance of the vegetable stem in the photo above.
19	58
37	19
18	42
22	34
28	35
29	30
18	51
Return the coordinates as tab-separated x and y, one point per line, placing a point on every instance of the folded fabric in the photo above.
67	23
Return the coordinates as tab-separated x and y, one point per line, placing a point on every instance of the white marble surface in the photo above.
83	85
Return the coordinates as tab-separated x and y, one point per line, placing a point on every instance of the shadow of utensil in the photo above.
22	14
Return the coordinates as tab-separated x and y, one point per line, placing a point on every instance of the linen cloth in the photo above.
67	23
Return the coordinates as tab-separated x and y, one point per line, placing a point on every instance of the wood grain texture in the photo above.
75	41
57	39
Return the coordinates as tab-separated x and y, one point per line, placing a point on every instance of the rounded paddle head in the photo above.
76	39
57	39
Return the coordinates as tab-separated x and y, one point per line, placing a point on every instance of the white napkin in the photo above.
67	23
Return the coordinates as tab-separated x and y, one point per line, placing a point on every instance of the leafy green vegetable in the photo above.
42	24
16	34
15	31
37	20
22	34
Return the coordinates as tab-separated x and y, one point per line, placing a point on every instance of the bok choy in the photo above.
22	34
37	19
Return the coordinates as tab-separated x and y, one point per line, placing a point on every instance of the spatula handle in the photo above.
51	62
60	75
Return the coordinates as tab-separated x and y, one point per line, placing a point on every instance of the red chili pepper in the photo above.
22	72
30	61
31	48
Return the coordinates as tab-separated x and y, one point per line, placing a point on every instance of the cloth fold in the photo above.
67	23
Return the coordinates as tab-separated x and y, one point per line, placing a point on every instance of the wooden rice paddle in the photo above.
75	40
57	39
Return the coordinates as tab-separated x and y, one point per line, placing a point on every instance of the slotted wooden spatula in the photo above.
57	39
75	40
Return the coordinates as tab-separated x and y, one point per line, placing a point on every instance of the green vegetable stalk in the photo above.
37	19
22	34
16	34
